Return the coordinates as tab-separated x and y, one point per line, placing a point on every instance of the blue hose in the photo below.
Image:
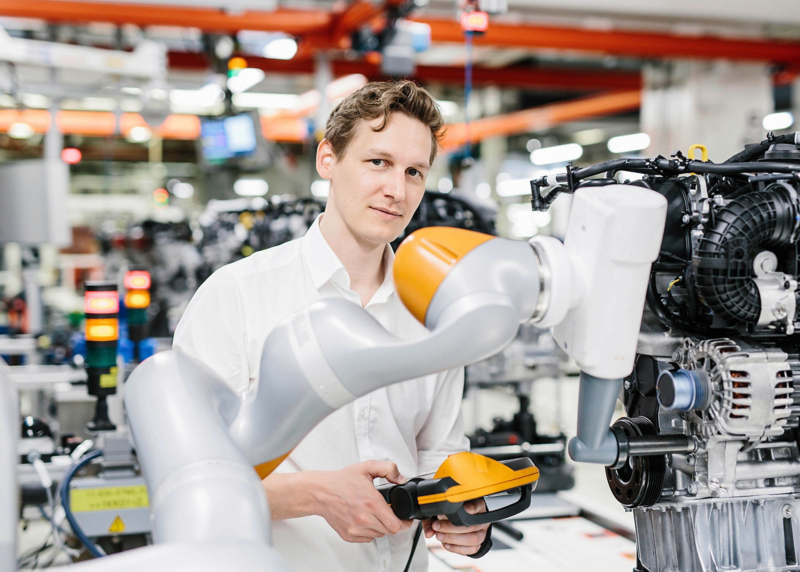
73	470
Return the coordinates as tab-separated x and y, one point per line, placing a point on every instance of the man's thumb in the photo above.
387	470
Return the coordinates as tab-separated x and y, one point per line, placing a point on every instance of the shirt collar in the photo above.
325	266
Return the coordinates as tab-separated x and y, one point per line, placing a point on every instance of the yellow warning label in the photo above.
109	379
109	498
117	526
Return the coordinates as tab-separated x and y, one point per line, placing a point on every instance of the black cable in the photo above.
417	534
753	152
26	558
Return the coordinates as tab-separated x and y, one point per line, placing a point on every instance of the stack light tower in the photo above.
101	305
137	299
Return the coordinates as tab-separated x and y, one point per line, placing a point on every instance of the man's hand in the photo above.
349	502
464	540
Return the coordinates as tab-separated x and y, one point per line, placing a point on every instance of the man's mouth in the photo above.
387	211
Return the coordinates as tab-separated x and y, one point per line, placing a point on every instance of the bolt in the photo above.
628	385
685	219
676	355
779	310
691	459
692	489
787	510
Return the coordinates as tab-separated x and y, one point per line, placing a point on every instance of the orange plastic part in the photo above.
478	476
265	469
425	258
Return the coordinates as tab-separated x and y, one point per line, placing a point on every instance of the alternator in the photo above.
751	390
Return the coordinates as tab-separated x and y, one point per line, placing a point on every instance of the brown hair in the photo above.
381	99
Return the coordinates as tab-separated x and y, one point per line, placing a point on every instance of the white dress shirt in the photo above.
415	424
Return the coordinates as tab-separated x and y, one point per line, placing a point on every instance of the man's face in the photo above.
379	181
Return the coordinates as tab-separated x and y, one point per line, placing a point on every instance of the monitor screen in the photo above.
228	137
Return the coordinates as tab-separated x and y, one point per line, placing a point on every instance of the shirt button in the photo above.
385	564
364	416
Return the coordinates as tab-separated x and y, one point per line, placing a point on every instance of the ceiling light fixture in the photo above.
557	154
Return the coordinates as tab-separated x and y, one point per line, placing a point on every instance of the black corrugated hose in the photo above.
724	260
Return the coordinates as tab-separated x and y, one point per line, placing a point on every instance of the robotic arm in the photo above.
470	290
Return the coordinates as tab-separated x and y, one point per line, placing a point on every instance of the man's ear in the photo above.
325	159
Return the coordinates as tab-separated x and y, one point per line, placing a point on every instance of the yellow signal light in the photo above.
103	330
237	63
137	299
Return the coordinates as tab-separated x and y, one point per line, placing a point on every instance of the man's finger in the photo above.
465	550
448	527
427	529
471	539
387	470
476	506
389	521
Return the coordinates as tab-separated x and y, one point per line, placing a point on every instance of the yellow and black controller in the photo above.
464	477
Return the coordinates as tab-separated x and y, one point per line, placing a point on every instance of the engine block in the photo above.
718	363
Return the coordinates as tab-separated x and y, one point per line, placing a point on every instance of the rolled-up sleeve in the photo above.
443	431
212	329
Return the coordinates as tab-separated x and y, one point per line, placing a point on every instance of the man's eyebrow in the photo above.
387	155
381	153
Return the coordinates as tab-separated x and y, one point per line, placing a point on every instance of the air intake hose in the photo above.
723	263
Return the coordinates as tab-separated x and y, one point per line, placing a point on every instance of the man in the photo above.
378	148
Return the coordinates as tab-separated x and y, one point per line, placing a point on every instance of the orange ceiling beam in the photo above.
294	130
540	118
617	42
294	22
38	119
98	123
104	124
325	30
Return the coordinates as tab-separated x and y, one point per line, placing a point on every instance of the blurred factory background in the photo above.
172	137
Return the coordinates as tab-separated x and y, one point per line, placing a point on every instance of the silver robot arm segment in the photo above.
201	486
9	495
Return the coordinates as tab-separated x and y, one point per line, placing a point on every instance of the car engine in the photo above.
718	356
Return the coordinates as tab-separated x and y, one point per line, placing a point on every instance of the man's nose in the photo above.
396	186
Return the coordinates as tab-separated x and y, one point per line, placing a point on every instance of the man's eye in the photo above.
377	162
413	172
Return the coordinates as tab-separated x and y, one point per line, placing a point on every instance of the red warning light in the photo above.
137	280
71	156
475	22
